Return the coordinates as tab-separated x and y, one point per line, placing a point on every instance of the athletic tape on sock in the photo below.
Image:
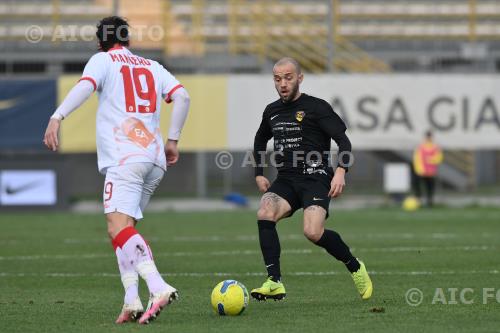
129	280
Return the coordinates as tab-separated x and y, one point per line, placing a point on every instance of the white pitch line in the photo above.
188	239
56	256
249	252
284	237
229	274
159	254
427	248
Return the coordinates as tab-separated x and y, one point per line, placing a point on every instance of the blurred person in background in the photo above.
426	159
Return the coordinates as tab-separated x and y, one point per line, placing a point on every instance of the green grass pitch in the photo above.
58	272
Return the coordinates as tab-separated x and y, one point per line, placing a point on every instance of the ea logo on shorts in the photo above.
299	115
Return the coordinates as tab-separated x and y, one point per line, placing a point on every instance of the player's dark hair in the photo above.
428	134
112	30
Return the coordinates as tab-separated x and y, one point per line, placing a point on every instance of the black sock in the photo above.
270	247
334	245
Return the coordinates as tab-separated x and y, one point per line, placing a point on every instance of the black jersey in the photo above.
302	131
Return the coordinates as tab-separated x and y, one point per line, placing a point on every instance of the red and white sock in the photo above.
138	253
129	277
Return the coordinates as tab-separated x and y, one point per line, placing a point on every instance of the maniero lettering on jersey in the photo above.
131	60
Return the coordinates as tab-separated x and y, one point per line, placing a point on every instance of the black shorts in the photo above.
302	191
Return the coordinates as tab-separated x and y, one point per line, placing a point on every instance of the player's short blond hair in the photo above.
288	60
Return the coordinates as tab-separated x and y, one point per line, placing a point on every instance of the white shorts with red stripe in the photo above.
128	188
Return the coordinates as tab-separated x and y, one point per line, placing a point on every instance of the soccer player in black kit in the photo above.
302	127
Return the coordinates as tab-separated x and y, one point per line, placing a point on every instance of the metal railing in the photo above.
271	29
463	161
266	29
468	20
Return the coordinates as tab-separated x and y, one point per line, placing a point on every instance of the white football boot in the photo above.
130	312
156	303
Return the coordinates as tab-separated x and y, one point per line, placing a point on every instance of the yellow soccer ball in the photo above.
411	204
229	297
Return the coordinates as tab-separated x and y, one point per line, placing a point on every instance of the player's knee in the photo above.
113	229
111	232
313	234
117	222
265	213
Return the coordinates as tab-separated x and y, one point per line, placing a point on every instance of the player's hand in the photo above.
338	183
51	137
171	152
262	183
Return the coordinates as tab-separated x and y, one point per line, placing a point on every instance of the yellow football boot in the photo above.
270	289
362	281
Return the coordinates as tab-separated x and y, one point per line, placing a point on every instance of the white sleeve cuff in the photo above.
57	116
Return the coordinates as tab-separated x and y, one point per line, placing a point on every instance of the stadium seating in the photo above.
346	36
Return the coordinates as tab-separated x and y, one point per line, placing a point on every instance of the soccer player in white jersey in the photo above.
130	152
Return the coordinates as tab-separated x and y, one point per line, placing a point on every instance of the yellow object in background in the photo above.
426	159
205	128
206	125
78	130
411	204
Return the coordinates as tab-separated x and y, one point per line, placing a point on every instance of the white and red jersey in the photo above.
131	90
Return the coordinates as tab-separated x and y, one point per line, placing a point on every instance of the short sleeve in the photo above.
95	70
169	84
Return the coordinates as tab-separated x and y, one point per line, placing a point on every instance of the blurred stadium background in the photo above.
392	69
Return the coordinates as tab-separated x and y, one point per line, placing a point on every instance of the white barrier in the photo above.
383	111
